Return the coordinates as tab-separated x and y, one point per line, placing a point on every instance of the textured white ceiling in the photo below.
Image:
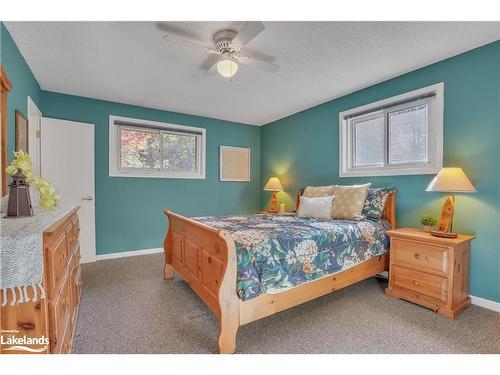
128	62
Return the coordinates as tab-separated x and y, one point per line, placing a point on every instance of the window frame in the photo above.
347	142
115	169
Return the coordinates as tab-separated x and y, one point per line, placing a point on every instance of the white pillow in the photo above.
319	208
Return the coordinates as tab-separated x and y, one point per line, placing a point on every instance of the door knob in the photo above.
88	198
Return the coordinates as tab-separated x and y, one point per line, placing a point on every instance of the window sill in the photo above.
396	171
179	176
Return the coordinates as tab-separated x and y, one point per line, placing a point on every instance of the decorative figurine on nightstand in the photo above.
449	180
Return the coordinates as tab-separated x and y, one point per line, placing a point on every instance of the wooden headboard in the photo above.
389	213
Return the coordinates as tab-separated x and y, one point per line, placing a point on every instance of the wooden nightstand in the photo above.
430	271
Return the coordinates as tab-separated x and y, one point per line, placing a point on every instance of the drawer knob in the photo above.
415	282
209	259
417	256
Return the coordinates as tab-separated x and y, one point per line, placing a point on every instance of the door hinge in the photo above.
37	133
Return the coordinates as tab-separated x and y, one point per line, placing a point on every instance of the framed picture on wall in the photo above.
21	132
234	163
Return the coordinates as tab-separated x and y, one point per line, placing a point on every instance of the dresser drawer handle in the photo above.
209	259
418	256
415	282
27	325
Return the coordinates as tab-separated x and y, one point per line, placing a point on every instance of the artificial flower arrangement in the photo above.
22	162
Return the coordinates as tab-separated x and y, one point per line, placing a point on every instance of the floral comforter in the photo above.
282	251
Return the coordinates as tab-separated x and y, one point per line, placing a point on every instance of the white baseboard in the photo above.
132	253
486	303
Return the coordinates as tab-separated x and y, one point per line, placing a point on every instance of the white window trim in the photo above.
435	137
114	148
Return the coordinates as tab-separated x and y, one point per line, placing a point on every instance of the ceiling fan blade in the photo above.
209	62
211	72
187	43
249	31
259	64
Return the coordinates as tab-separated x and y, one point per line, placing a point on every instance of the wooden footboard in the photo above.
205	257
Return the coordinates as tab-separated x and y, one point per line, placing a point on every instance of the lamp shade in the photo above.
273	184
451	180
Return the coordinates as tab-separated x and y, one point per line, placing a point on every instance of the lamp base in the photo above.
437	233
445	223
273	208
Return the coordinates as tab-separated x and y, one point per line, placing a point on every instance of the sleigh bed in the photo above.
237	265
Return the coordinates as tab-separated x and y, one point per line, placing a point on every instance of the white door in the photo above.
34	120
67	161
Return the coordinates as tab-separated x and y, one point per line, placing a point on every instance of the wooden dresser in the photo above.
430	271
54	317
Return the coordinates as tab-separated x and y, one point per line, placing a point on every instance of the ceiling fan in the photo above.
227	53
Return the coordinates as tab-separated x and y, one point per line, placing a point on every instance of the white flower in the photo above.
306	251
284	218
323	225
236	218
266	225
250	237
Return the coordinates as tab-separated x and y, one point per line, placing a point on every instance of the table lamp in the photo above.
449	180
273	185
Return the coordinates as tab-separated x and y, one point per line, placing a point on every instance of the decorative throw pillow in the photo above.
317	191
375	202
319	207
349	201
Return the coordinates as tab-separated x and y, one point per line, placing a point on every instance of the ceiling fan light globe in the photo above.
227	67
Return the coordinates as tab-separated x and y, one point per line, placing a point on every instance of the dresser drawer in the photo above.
57	260
59	310
70	235
420	255
423	283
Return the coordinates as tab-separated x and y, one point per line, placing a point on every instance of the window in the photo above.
402	135
139	148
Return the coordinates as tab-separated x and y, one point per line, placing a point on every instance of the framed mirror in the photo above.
5	87
21	132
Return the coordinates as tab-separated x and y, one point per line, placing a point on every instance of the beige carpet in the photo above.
127	307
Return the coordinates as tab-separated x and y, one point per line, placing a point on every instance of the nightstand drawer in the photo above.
421	255
420	282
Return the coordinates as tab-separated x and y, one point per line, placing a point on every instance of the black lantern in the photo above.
19	197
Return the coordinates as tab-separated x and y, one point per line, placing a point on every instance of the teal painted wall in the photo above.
24	83
302	149
129	210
